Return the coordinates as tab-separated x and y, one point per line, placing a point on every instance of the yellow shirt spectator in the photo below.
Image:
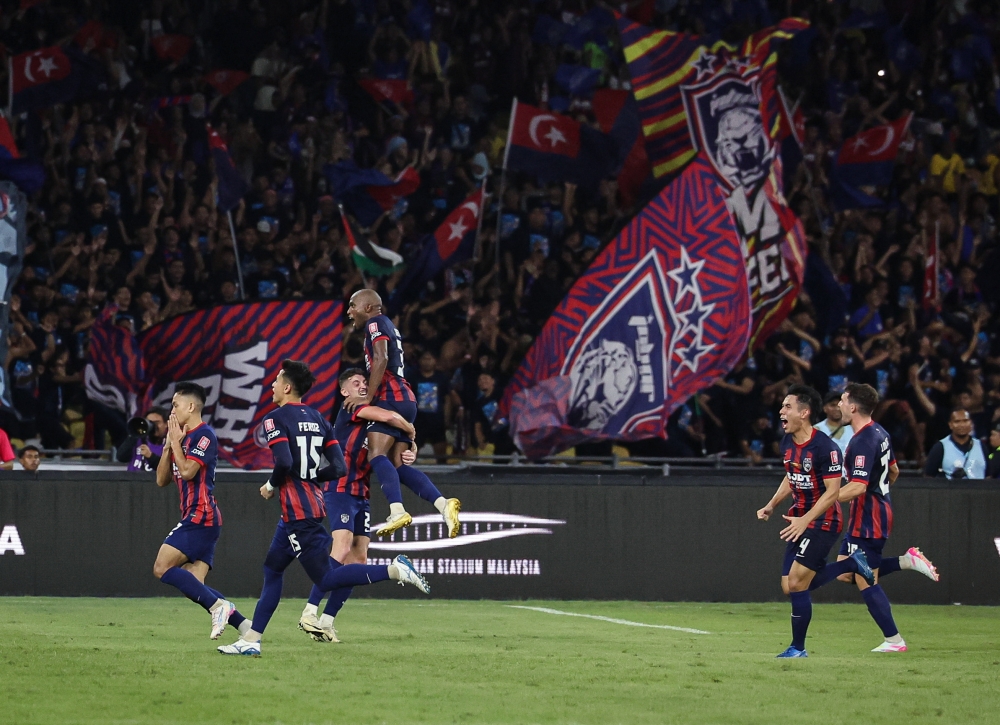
988	184
949	169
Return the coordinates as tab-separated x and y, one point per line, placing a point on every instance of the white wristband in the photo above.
269	487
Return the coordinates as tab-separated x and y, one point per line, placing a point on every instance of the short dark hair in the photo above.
832	397
157	410
809	398
299	375
192	390
29	447
959	409
862	395
350	373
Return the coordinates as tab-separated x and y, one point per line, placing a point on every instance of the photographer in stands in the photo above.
144	444
958	455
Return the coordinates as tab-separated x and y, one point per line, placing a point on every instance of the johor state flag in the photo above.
557	148
867	159
396	91
27	174
661	313
618	116
232	186
45	77
368	192
225	81
171	47
453	242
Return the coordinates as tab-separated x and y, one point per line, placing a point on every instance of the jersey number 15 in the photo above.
308	453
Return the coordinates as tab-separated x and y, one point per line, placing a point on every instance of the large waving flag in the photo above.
618	116
394	91
368	256
661	313
45	77
369	192
232	186
557	148
452	242
720	102
27	174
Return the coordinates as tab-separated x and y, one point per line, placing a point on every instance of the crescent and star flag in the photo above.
225	81
660	314
868	159
171	47
557	148
395	91
29	175
453	242
232	186
720	102
45	77
368	256
234	351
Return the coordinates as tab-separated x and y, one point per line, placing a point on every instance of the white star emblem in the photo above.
46	66
859	142
555	136
458	229
686	278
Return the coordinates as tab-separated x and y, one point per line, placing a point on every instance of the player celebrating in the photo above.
190	452
871	469
347	506
812	478
388	389
297	435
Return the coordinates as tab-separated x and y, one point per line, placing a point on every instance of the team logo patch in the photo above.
344	518
373	328
268	425
203	443
859	461
834	457
807	464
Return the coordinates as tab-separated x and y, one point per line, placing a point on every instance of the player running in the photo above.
190	453
297	436
870	465
812	478
388	389
347	506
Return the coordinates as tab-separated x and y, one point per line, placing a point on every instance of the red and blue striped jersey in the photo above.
394	386
298	431
867	460
197	498
353	437
807	466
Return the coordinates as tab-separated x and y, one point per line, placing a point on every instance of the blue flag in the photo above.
232	186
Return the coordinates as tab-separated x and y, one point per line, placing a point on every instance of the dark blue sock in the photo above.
417	481
881	610
316	595
888	566
388	478
831	571
189	586
352	575
235	619
337	599
270	597
802	612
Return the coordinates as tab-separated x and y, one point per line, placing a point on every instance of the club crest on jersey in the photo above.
859	461
344	518
807	463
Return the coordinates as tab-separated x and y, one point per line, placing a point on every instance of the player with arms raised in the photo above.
190	453
298	436
812	479
347	505
388	389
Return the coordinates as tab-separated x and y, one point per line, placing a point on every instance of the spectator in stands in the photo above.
958	455
993	464
833	425
29	458
143	452
6	452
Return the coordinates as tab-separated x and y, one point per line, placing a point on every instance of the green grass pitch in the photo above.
150	661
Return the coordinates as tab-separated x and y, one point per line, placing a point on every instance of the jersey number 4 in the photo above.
308	453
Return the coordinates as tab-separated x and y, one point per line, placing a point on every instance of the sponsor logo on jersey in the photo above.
203	443
834	458
373	329
268	425
859	461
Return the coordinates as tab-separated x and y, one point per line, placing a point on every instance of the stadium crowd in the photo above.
128	214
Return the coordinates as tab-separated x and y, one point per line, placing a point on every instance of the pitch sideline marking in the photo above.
613	620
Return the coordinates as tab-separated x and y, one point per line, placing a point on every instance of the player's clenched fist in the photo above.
765	513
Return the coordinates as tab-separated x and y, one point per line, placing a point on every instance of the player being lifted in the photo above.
812	478
388	389
298	436
190	453
346	498
871	468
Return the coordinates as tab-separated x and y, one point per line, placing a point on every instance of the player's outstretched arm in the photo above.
851	491
380	415
783	492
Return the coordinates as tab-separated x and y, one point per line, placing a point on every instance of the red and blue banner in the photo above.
867	159
45	77
232	186
234	351
27	174
661	313
367	193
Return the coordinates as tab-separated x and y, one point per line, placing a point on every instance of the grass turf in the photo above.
150	661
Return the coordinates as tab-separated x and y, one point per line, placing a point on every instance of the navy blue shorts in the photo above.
345	511
195	541
810	550
871	547
405	409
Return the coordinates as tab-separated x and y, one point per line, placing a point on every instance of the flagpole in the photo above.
236	251
503	183
477	247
